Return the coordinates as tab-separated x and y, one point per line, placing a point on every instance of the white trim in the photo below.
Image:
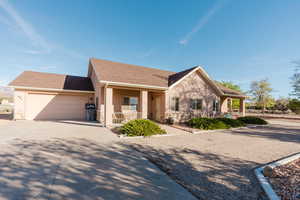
133	85
50	89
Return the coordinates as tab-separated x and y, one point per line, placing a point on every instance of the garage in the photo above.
55	106
48	96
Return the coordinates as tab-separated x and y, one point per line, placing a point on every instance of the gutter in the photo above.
235	95
50	89
133	85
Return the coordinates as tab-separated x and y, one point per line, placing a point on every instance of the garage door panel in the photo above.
55	107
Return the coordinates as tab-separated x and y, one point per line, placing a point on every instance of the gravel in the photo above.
221	165
285	180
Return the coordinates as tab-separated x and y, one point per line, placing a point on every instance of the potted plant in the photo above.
170	120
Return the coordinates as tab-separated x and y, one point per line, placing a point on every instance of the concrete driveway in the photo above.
219	165
66	160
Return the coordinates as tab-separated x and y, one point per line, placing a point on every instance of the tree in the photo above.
261	93
281	104
294	105
231	85
296	81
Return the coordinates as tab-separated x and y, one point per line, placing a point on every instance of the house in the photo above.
121	92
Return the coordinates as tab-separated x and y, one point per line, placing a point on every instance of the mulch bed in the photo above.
285	180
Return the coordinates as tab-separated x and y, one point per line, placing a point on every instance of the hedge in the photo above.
207	123
232	122
252	120
223	123
141	127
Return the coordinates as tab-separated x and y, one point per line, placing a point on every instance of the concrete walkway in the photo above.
50	160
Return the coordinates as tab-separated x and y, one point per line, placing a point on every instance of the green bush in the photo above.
252	120
141	127
217	124
232	122
294	105
207	123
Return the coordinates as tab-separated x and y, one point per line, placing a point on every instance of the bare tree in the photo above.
261	92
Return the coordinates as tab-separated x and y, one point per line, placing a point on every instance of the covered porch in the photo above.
122	104
227	105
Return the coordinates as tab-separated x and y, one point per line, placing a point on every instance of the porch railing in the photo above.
123	117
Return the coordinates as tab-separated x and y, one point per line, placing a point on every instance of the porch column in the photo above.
166	105
242	106
230	105
144	104
108	106
224	104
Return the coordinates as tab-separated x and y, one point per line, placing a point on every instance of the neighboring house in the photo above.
121	92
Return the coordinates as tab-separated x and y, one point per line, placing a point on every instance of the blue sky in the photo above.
234	40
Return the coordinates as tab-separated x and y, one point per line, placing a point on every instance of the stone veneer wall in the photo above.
192	87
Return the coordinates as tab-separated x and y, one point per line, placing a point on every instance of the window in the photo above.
216	105
175	104
196	104
132	102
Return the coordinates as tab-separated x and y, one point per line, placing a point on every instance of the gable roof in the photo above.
127	73
177	76
109	71
52	81
228	91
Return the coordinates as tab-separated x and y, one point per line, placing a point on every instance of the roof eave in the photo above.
112	83
235	95
50	89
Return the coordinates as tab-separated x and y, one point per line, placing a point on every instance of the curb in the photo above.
139	137
229	129
263	180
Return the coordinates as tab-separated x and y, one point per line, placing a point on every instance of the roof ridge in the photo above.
52	73
132	65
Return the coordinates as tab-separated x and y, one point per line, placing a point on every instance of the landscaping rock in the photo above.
268	171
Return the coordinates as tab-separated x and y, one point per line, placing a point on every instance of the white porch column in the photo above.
242	106
108	106
144	104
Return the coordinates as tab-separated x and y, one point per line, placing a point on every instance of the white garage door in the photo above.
55	107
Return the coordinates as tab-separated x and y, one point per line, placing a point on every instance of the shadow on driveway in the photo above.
207	175
274	132
81	169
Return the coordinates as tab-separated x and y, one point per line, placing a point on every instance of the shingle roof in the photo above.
127	73
179	75
52	81
228	91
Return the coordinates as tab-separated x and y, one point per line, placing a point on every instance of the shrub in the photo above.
294	105
141	127
252	120
218	125
232	122
207	123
